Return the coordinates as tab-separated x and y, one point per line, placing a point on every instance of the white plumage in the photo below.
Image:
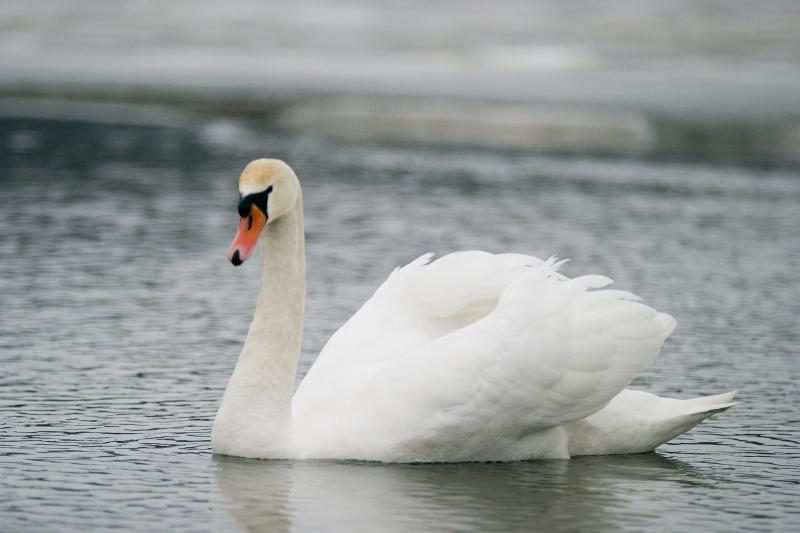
469	357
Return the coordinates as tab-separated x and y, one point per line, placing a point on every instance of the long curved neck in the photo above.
255	415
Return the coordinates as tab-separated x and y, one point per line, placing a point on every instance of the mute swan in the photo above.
471	357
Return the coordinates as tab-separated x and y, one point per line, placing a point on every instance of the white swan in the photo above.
471	357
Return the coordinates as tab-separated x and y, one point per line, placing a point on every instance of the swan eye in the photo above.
258	199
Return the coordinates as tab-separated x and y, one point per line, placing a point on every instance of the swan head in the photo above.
268	189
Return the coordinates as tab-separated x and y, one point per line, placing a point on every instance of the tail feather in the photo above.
710	404
636	422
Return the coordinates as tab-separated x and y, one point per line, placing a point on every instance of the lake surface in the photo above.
121	321
632	77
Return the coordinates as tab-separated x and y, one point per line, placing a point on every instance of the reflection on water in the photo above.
121	320
589	493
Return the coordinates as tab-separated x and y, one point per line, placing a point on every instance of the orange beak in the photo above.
247	236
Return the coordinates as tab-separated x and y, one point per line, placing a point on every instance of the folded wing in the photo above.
475	353
418	303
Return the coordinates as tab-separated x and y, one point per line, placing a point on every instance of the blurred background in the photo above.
656	141
641	77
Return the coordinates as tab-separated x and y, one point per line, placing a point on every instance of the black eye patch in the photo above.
258	199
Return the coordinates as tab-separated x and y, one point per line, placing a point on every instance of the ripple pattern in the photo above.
121	322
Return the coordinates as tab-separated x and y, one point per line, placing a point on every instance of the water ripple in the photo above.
118	332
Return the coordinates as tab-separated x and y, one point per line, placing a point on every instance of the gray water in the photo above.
633	77
121	321
386	44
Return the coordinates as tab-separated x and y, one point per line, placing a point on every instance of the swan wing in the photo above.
550	351
418	303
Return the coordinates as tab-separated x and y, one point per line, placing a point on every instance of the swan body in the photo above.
471	357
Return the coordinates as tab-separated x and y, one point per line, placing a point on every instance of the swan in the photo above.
469	357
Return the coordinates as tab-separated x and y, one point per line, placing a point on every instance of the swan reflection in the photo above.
596	492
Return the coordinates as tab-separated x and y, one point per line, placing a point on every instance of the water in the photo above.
121	322
640	77
329	41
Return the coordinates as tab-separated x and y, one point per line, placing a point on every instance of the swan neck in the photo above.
256	408
277	328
